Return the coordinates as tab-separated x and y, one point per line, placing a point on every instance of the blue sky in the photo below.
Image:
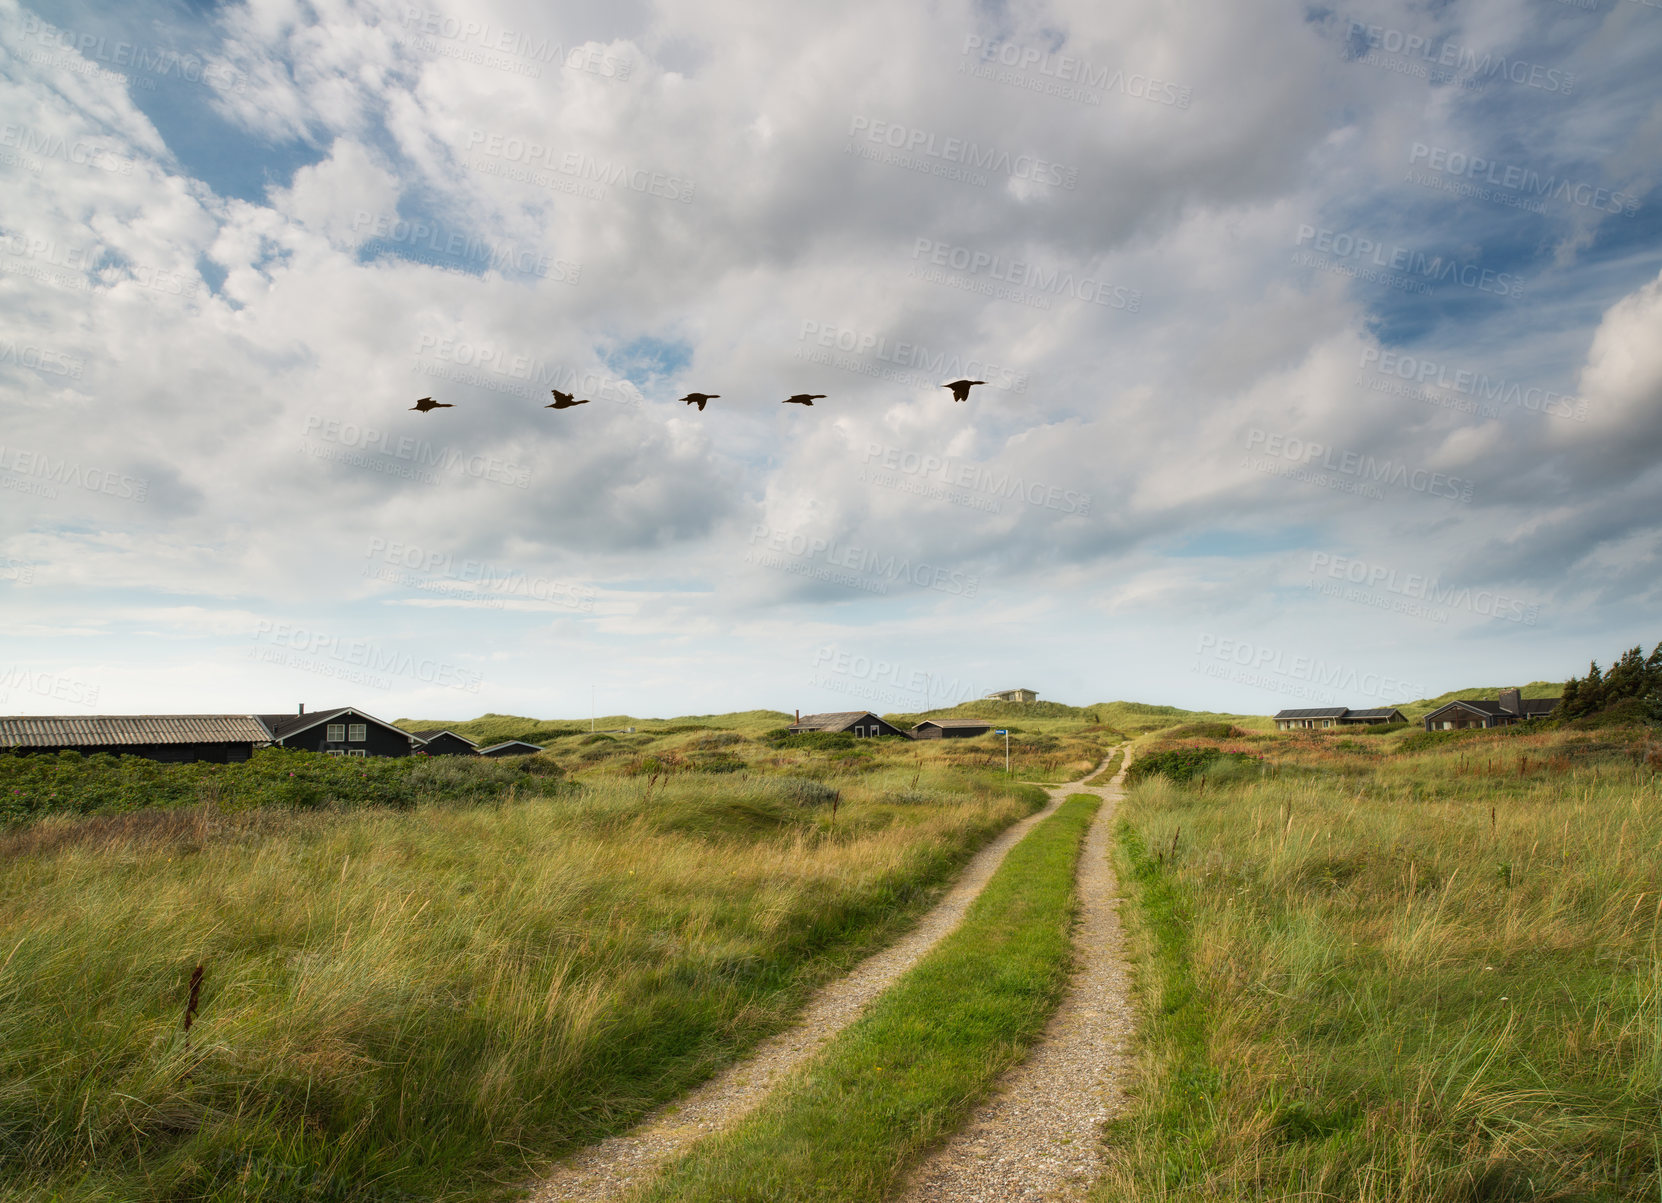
1289	400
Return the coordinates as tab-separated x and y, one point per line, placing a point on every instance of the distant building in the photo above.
343	731
855	722
217	738
950	728
1510	707
511	747
436	741
1335	716
1014	695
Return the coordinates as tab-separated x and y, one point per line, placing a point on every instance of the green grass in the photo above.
436	1000
1108	770
1418	973
847	1126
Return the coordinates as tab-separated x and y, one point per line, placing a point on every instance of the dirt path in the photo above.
606	1170
1039	1136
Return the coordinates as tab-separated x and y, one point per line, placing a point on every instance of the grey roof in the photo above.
1013	689
835	720
510	743
1319	712
283	726
433	733
1532	707
112	730
1377	712
956	722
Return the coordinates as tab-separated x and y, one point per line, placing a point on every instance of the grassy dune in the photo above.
432	1001
1399	969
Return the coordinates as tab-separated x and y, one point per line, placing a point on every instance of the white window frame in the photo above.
357	733
333	752
355	752
334	733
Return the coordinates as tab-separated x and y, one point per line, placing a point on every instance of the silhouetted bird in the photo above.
803	399
562	400
427	403
699	399
960	388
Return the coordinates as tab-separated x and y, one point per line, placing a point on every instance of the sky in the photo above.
1321	349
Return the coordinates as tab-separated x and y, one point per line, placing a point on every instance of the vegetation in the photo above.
909	1070
32	786
1108	770
427	978
1633	679
1388	969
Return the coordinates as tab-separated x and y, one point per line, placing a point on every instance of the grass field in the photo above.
847	1126
1414	968
434	998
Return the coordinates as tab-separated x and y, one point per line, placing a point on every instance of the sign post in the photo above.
1004	731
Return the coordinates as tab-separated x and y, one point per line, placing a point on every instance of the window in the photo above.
335	732
336	752
358	733
355	752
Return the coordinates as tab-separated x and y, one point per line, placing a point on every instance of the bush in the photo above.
1184	764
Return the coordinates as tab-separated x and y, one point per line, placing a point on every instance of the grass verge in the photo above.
1379	970
427	1003
909	1070
1108	770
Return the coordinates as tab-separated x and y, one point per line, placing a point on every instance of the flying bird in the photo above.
562	400
803	399
699	399
960	388
427	403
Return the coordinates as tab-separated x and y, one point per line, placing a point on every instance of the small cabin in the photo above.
861	723
950	728
511	747
1014	695
342	731
1503	711
437	741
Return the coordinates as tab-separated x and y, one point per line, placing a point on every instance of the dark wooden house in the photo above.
343	731
854	722
511	747
219	738
1510	707
436	741
950	728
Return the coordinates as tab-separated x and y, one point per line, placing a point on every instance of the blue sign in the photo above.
1001	732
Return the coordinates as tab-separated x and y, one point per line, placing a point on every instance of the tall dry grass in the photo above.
1418	975
424	1003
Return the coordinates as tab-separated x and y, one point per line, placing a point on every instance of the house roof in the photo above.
433	733
956	722
1319	712
111	730
1532	707
1013	689
284	726
835	720
509	743
1377	712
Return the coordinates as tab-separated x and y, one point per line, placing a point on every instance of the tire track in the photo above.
613	1166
